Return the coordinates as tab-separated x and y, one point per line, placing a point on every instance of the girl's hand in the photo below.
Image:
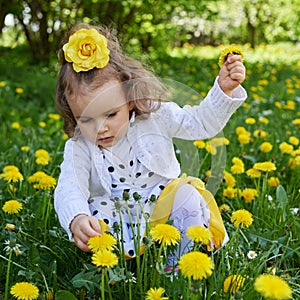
83	228
232	73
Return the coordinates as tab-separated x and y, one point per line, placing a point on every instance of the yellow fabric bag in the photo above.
165	201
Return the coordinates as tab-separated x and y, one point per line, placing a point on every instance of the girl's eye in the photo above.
85	120
111	114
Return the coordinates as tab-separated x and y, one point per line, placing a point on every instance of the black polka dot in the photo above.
161	187
103	203
95	212
111	169
144	186
126	190
122	179
91	201
122	166
131	163
138	174
106	221
131	252
114	185
131	205
150	174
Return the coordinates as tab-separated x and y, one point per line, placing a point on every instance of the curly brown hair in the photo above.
139	84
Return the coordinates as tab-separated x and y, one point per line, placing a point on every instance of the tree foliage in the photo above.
154	24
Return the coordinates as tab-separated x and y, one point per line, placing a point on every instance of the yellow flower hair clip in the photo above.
87	49
230	50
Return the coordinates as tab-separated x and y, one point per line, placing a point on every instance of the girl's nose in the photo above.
102	127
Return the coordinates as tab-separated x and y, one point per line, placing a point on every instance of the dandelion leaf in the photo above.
64	295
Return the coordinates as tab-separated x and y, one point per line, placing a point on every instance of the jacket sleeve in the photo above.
205	120
72	191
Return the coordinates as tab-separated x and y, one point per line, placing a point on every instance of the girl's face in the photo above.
103	116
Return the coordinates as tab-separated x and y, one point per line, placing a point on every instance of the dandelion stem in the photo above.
103	284
7	276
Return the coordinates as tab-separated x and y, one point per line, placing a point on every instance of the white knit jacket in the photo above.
84	177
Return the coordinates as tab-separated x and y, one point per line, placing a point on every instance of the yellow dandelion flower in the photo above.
233	283
10	168
260	133
253	173
199	234
237	169
265	166
24	291
220	141
16	125
249	194
165	234
237	161
244	138
294	140
19	90
12	176
54	116
195	265
105	259
199	144
224	208
240	130
46	183
10	227
250	121
230	192
42	157
229	179
233	49
155	294
266	147
263	120
2	84
273	181
296	122
241	217
12	207
102	242
25	148
37	176
272	287
286	148
210	148
42	124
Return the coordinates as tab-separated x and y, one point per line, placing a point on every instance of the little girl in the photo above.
120	145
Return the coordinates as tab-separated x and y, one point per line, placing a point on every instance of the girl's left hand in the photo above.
232	73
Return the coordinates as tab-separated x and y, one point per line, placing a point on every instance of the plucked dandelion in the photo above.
12	207
265	166
199	234
241	217
165	234
24	291
233	283
230	50
105	259
196	265
272	287
102	242
155	294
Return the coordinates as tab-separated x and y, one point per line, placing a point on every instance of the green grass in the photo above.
46	258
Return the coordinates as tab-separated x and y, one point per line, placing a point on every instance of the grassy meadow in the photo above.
258	193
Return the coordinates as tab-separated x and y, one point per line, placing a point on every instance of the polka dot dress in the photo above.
130	176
